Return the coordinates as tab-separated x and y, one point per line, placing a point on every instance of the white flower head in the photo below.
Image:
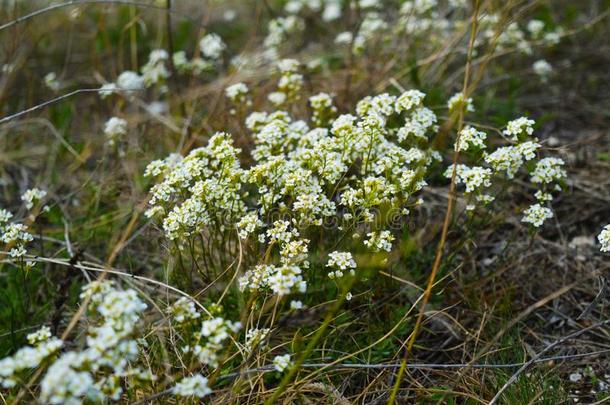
288	65
281	363
51	81
129	80
40	335
5	216
196	386
549	170
340	262
212	46
470	136
237	92
409	100
536	215
31	196
604	239
542	68
457	101
378	241
115	128
520	126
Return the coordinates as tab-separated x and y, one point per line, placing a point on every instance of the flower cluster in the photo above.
548	170
127	81
346	168
604	239
289	85
378	241
51	81
255	338
183	310
211	176
279	29
210	338
507	161
515	37
323	109
114	129
32	196
27	358
212	46
196	386
40	335
281	363
519	128
474	178
470	136
281	280
340	262
543	69
95	372
457	103
155	71
536	215
341	170
14	235
238	93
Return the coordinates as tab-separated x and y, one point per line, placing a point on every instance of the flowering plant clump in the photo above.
332	174
284	197
96	371
114	351
29	357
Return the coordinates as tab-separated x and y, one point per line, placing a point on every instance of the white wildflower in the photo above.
212	46
542	68
255	338
340	261
507	159
378	241
281	363
114	129
196	386
130	81
604	239
536	215
248	224
457	101
155	71
520	126
51	81
237	93
40	335
548	170
183	310
295	305
470	136
32	196
409	100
